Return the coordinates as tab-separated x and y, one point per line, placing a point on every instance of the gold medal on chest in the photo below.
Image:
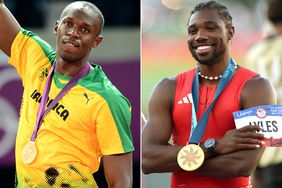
190	157
29	152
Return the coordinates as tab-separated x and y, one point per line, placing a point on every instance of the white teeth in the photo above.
203	47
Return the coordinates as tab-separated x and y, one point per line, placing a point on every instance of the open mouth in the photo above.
203	49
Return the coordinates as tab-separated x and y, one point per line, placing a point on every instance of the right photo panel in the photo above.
211	94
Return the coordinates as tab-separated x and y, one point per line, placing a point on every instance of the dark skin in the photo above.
78	31
278	28
240	149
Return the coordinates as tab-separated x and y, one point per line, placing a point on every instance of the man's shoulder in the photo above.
168	81
164	90
258	85
258	81
99	83
166	85
258	91
29	39
170	84
33	36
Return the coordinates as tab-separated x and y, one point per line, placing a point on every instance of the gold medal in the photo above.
29	152
190	157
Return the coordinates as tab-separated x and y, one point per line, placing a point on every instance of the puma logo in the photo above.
87	98
43	74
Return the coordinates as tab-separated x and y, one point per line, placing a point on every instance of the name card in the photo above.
268	117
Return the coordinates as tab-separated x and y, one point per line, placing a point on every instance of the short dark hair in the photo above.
221	9
274	12
93	7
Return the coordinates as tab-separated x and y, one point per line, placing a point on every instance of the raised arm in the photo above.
9	27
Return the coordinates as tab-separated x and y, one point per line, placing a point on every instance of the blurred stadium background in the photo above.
119	55
164	46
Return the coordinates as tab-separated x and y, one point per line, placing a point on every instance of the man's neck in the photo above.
213	70
68	68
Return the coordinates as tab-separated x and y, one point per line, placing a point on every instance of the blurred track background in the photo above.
165	52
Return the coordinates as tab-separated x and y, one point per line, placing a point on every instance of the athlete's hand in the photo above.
245	138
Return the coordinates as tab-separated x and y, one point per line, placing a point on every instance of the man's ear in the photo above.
97	41
230	32
56	27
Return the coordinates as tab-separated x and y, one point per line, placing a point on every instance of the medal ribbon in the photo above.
198	129
41	113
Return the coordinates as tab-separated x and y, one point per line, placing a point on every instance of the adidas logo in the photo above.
187	99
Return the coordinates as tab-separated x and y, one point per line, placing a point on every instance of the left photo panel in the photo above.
69	94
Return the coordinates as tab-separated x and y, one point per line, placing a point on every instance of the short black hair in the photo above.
274	12
93	7
221	9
